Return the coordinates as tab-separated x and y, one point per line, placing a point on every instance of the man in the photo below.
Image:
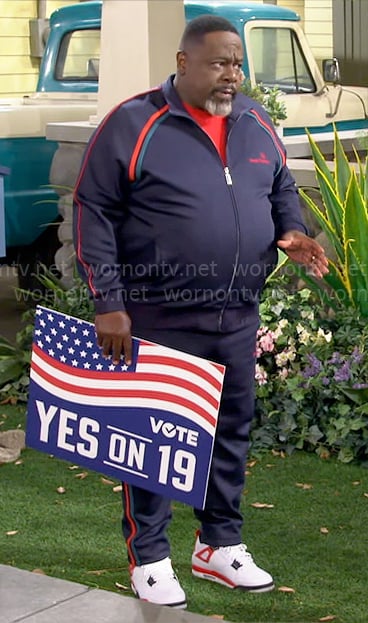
182	200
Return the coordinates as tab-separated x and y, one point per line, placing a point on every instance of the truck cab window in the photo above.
78	57
279	61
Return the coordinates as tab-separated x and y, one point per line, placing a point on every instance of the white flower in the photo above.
327	336
305	337
291	353
281	359
307	315
278	308
284	357
279	330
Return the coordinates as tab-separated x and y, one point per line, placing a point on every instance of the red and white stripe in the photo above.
165	379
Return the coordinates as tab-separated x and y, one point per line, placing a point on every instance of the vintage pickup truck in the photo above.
276	54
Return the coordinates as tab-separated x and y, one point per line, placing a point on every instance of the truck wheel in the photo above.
30	262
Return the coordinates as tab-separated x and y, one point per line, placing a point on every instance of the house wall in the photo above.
316	16
18	70
294	5
318	27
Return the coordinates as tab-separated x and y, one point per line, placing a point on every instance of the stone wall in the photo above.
63	176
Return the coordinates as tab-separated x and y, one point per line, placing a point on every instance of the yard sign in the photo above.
150	424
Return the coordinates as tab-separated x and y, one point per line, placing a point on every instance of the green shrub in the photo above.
311	377
14	365
269	97
15	358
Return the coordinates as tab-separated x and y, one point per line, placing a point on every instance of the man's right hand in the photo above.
113	335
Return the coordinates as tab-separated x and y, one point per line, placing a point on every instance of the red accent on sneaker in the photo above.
214	574
205	553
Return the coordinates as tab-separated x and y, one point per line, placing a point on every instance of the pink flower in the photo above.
266	342
260	375
258	351
283	373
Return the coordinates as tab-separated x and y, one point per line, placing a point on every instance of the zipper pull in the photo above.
229	181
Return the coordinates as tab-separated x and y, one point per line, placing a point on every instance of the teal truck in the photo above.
277	54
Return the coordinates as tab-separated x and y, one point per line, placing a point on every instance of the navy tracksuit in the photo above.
146	514
184	244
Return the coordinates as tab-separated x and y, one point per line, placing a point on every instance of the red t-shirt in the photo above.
213	125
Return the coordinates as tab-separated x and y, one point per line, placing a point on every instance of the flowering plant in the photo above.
311	376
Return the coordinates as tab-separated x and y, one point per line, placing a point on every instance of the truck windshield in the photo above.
79	56
279	61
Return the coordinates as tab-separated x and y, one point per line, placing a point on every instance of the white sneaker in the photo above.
157	583
232	566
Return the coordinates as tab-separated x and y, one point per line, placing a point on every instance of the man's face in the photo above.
209	72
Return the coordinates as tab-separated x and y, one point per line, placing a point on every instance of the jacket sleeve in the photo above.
100	200
284	196
285	200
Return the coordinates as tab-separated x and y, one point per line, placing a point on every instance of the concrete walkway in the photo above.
34	598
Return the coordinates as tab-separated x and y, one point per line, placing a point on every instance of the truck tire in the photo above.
32	259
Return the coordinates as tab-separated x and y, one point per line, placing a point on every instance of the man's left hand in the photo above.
304	250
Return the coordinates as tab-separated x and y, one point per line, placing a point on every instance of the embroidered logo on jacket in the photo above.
262	159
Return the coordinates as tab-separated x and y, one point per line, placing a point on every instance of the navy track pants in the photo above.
147	515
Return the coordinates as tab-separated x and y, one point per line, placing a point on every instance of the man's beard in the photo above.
222	109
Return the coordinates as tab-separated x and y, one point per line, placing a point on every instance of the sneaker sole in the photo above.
181	605
220	579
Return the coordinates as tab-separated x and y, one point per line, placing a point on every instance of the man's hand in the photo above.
113	335
304	250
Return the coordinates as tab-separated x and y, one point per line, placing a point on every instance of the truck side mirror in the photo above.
331	70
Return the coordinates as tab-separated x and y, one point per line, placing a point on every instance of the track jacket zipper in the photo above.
229	183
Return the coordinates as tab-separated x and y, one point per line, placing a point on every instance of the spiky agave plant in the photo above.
343	218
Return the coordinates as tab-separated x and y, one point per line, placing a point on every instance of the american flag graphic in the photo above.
151	424
67	361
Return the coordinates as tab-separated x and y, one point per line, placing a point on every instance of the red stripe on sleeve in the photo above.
140	141
270	129
91	145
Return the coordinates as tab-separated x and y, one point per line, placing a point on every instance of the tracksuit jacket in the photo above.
162	225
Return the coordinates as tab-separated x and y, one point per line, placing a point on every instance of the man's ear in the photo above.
181	62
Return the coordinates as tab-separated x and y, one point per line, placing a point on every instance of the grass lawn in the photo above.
313	539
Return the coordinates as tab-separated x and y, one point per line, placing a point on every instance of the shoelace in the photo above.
159	571
238	551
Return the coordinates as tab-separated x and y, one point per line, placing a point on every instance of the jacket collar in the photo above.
241	103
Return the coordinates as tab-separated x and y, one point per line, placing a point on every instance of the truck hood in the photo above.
341	105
